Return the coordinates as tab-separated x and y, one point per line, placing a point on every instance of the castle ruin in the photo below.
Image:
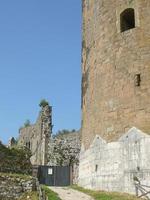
36	137
46	149
115	94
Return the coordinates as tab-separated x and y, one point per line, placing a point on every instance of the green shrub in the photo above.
15	160
27	123
43	103
50	194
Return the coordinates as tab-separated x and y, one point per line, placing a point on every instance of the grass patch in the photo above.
50	194
30	196
21	176
100	195
15	160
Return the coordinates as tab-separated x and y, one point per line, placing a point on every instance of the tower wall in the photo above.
112	102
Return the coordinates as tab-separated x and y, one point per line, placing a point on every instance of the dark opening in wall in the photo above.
137	80
28	145
138	168
127	19
96	168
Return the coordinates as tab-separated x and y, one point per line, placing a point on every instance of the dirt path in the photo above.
70	194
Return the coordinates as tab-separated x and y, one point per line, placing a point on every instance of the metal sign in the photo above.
50	171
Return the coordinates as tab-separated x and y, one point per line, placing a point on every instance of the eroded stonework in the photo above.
13	187
114	166
112	101
37	136
115	94
64	149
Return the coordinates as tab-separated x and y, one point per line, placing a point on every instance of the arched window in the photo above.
127	19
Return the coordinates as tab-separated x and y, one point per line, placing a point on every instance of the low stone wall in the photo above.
13	186
114	166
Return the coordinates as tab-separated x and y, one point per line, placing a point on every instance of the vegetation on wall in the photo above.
64	132
43	103
64	154
15	160
27	123
64	148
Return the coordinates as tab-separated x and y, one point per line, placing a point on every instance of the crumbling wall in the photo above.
64	149
13	186
15	160
36	137
114	166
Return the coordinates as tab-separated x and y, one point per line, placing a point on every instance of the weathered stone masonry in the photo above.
13	187
115	94
113	166
112	103
37	136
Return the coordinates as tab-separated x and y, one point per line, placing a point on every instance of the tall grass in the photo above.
101	195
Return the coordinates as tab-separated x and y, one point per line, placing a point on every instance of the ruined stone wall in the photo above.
112	103
64	149
14	186
37	136
115	166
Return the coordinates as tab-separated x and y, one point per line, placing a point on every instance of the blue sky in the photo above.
40	57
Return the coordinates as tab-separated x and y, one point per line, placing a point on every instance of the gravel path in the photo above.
70	194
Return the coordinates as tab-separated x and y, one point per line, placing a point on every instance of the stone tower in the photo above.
115	95
36	137
115	68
